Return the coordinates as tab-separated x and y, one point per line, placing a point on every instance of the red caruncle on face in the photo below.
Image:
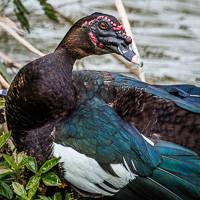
119	29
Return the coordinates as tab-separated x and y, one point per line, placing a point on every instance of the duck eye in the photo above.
103	26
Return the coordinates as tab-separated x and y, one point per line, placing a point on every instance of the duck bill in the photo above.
136	60
128	54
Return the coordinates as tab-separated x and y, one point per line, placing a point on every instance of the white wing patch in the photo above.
85	172
121	171
148	140
133	165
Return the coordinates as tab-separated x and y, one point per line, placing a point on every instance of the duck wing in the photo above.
177	176
116	151
102	154
189	93
162	112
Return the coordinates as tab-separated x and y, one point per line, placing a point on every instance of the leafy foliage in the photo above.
2	104
4	138
48	165
19	190
16	167
32	165
48	10
12	170
58	196
14	183
51	179
22	12
5	190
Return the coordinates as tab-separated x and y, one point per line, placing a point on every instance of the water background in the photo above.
167	34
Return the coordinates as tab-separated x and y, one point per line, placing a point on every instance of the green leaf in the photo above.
41	197
5	74
10	161
48	165
5	170
7	178
20	6
21	13
68	196
21	160
19	190
23	20
4	163
57	196
5	190
32	164
20	157
2	104
34	180
48	10
51	179
4	138
32	186
32	192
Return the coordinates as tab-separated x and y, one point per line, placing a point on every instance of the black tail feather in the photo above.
176	178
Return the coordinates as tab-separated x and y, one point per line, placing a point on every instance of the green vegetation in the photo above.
22	179
14	183
22	12
12	172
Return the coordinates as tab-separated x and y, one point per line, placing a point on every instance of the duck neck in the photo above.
63	84
77	43
66	56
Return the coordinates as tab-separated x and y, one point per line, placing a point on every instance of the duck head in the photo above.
98	34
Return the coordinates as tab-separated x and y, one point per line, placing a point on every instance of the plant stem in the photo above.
122	13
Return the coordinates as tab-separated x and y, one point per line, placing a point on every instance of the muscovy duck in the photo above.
87	118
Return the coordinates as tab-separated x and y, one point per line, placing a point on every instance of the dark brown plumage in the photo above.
159	118
86	114
42	93
152	115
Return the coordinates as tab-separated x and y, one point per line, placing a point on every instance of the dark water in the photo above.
167	34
